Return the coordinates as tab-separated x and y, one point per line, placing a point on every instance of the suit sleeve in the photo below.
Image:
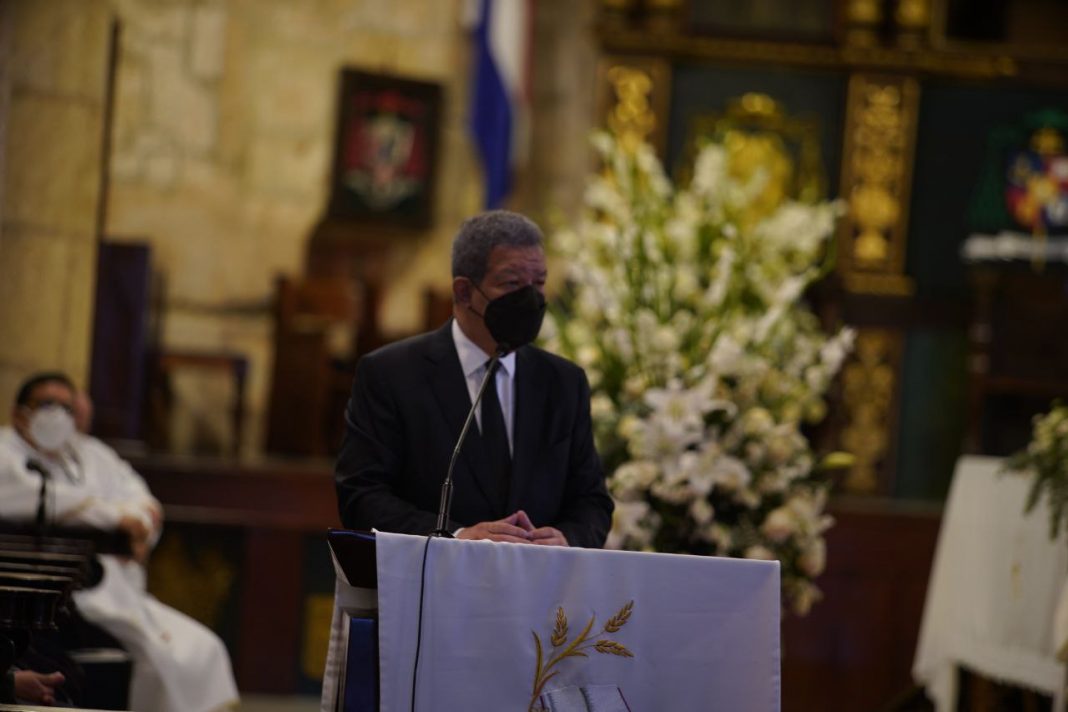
370	464
586	515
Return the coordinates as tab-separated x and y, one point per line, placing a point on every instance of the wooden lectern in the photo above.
461	625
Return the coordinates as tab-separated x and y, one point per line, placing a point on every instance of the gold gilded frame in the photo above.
880	139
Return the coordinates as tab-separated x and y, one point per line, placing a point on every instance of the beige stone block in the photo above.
289	167
133	99
53	162
374	52
154	22
77	328
207	44
182	107
292	90
44	305
11	377
429	57
285	23
149	158
60	46
403	17
161	168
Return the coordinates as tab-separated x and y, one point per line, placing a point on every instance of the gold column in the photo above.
869	385
876	178
880	139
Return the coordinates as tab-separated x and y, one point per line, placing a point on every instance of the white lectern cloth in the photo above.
704	631
994	588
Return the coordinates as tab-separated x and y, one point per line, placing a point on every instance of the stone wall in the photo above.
53	58
223	133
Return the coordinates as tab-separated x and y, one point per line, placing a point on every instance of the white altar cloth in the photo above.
994	589
703	631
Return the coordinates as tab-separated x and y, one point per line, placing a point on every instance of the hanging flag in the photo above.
499	95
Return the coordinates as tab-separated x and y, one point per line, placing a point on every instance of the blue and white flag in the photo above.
499	91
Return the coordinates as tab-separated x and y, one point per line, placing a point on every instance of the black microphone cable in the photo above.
42	495
444	507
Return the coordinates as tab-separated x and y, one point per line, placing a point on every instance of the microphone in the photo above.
445	503
37	467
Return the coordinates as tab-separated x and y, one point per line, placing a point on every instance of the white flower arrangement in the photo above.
1046	459
686	314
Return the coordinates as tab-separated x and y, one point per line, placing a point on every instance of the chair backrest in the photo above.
316	325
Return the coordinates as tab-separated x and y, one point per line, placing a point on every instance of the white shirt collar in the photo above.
473	358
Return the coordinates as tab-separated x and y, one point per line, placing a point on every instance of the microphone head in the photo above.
36	466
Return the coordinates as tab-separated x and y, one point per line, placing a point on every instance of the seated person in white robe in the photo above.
178	664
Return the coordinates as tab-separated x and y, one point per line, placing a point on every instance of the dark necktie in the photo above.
495	439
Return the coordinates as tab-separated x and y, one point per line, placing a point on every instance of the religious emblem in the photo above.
1036	183
385	159
385	149
1024	182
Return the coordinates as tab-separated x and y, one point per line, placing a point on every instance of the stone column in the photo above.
53	60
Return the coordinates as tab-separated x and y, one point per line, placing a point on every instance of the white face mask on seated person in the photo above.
51	427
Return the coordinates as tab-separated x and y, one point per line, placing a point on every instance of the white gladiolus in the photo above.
686	309
701	511
730	474
779	525
760	553
813	559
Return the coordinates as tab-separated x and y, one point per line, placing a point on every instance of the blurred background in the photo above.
210	208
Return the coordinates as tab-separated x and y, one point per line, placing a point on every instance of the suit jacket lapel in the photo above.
531	400
450	391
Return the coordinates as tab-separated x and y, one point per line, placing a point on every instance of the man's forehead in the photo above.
505	258
52	390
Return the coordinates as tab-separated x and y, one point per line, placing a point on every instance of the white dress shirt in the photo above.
473	362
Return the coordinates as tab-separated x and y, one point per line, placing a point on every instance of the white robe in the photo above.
178	664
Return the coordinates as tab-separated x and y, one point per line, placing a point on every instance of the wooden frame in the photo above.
385	149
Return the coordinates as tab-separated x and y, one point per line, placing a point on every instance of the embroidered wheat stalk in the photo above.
560	629
576	648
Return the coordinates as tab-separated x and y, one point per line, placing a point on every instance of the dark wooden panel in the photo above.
272	494
854	650
120	338
269	632
273	506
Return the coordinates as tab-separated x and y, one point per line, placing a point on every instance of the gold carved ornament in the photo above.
876	175
759	137
868	393
631	118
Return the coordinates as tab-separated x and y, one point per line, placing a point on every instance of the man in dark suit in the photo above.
528	473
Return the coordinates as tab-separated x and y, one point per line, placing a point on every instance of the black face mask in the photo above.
514	319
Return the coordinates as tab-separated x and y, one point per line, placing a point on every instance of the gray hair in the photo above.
479	235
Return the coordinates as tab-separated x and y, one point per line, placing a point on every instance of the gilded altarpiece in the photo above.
633	99
879	143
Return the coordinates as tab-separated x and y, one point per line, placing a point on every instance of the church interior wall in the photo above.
53	58
224	126
222	134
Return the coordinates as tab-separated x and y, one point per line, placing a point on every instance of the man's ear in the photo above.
461	290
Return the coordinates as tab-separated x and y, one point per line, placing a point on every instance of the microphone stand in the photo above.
445	504
42	494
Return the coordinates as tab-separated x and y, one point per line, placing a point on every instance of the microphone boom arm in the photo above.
445	503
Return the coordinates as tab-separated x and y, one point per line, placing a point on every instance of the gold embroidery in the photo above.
577	648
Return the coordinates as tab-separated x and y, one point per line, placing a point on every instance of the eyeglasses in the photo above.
51	403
